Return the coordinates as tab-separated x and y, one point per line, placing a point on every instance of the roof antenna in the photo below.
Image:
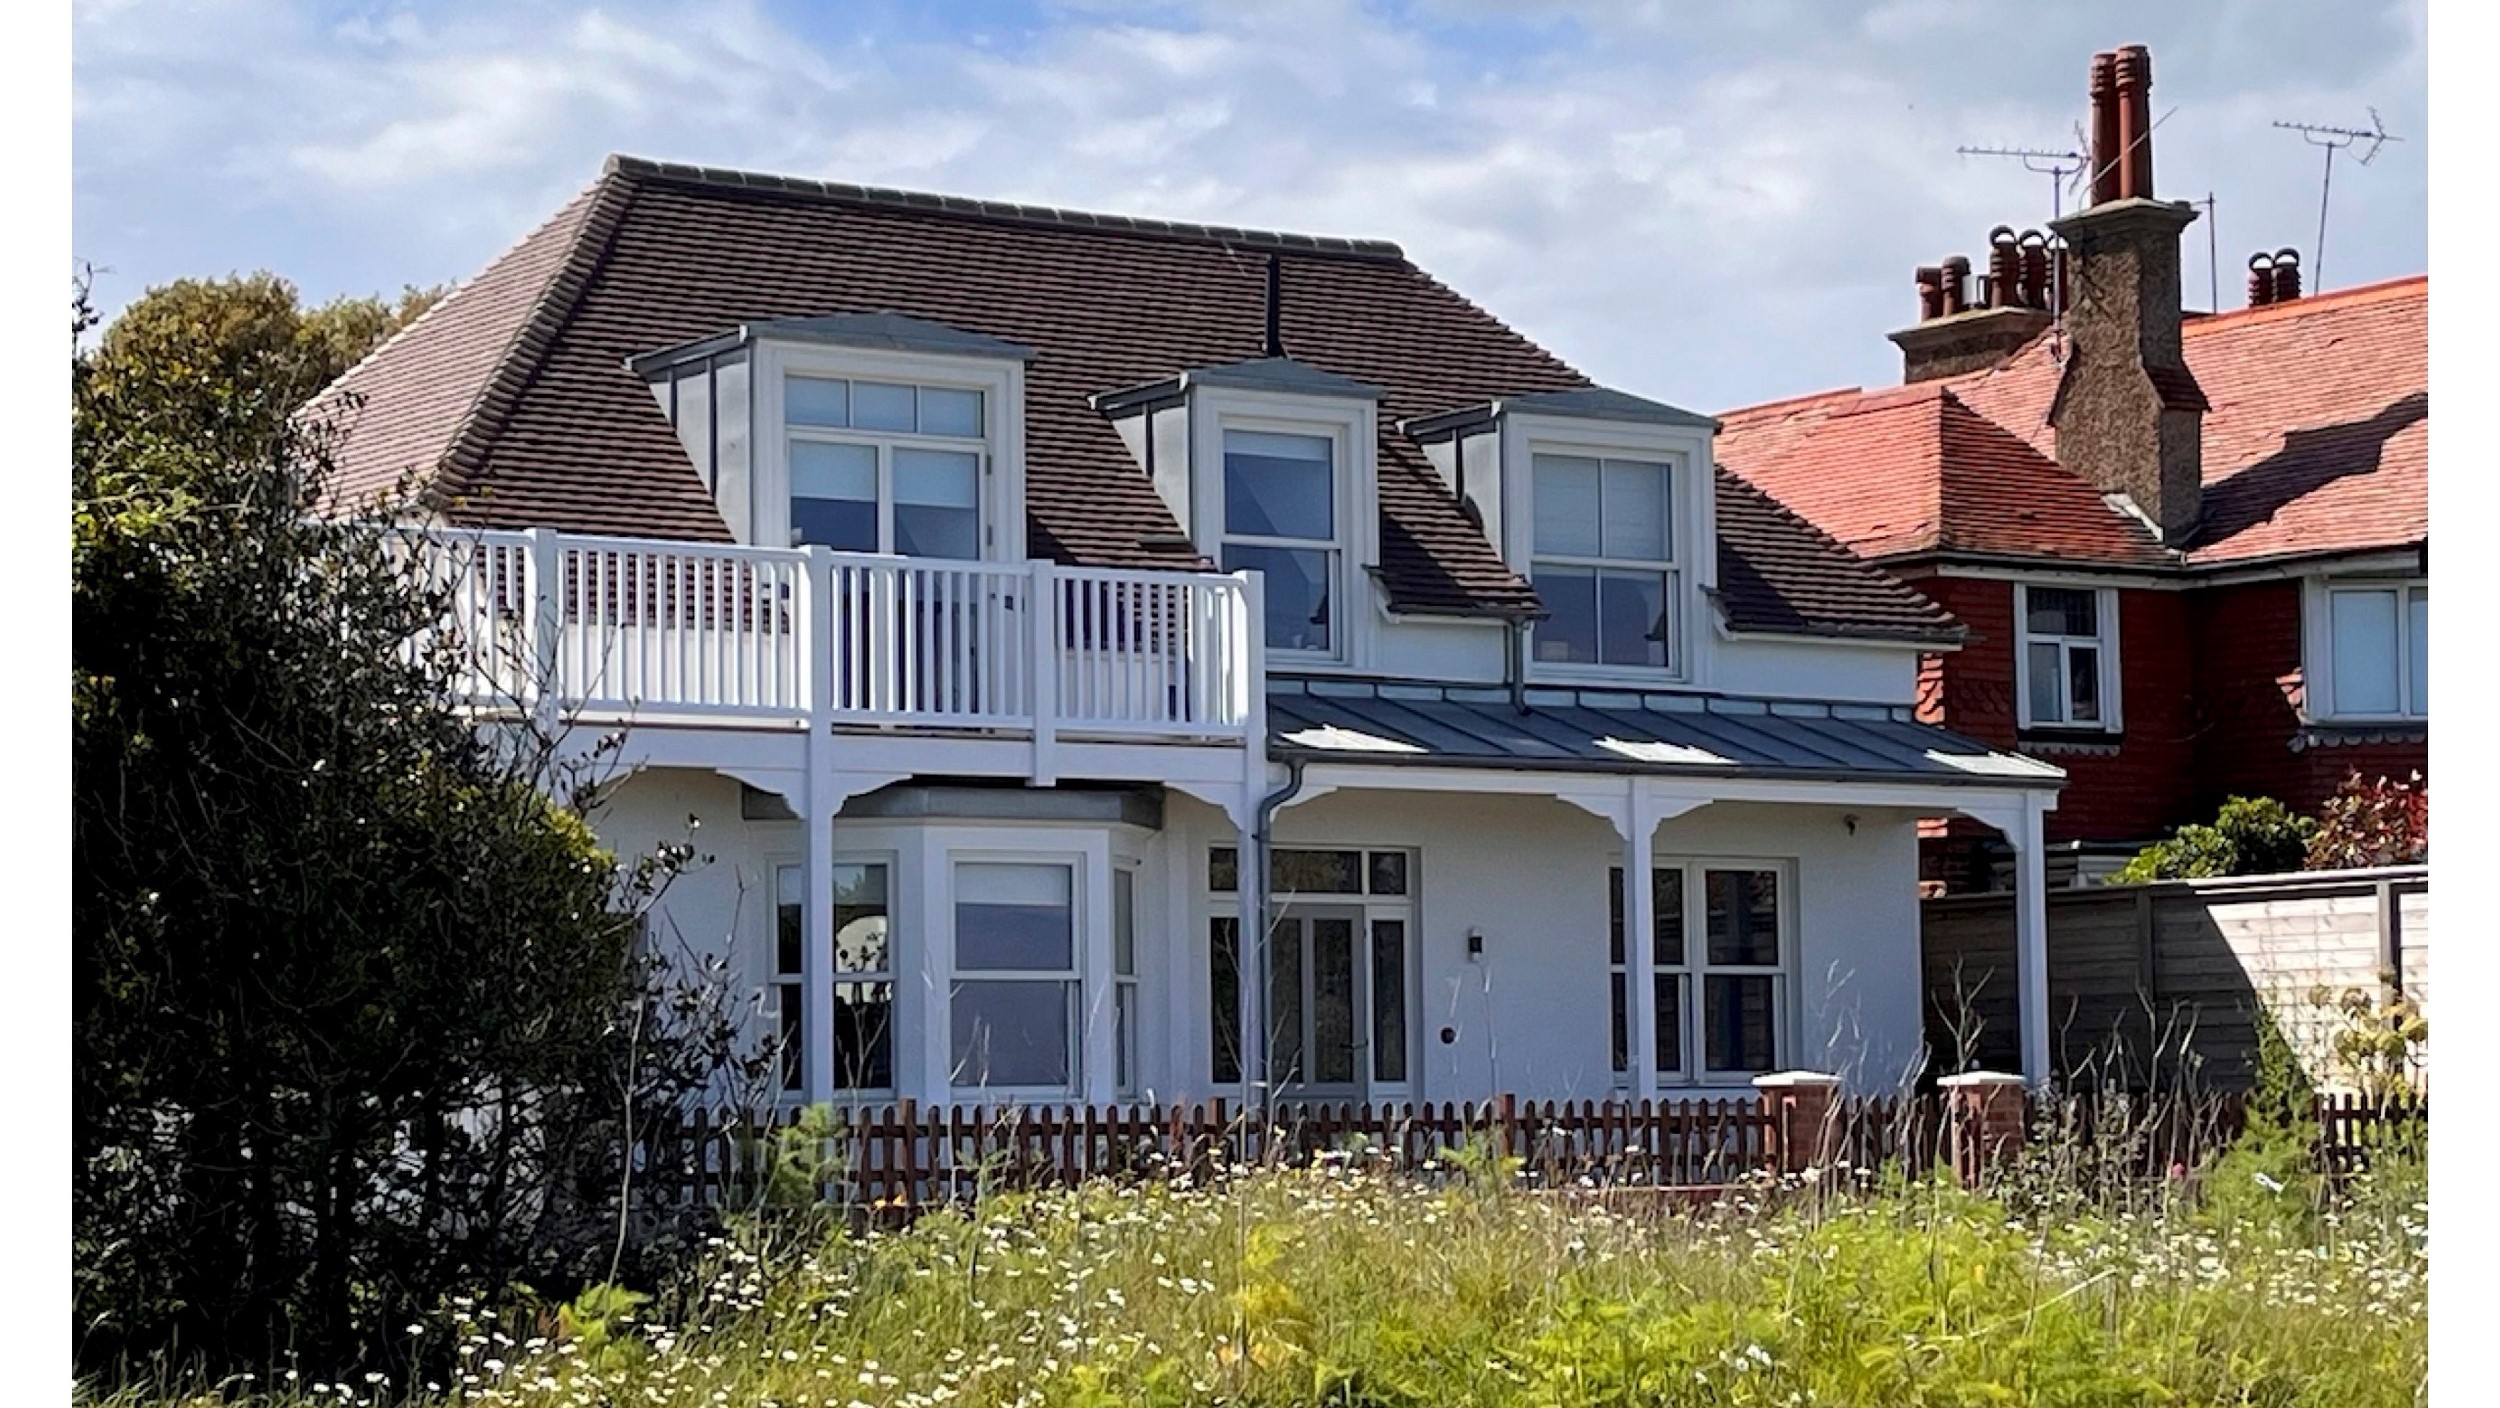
2039	161
1275	308
2335	139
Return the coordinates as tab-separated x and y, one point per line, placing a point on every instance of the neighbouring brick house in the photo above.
2191	549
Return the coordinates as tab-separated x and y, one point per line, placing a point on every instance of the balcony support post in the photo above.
824	797
545	604
1042	616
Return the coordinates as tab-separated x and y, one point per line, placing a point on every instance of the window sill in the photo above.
2072	740
2344	733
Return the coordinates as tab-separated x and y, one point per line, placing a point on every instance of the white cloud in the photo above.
1709	207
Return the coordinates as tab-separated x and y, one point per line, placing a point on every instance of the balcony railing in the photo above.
658	630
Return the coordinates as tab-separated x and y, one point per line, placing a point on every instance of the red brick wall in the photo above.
2248	688
2130	791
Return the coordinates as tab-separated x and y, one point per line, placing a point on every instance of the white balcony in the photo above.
655	631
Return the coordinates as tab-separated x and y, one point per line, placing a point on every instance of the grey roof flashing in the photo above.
1284	375
1583	403
879	332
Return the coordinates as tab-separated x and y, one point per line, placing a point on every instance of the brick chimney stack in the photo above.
1956	333
2129	414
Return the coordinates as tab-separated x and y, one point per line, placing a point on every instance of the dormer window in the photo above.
885	466
1280	519
1604	561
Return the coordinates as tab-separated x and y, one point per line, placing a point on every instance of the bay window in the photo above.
1717	962
1280	519
2376	644
1014	1003
861	1025
2066	656
1604	561
888	467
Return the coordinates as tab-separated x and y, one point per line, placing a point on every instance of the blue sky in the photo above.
1709	204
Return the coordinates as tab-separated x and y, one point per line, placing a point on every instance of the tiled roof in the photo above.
1780	574
2316	441
514	394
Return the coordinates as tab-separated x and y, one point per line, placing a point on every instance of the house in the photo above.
995	585
2191	549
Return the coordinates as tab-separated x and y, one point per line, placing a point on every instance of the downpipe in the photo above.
1251	885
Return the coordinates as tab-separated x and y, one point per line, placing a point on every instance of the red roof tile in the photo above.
515	397
2316	441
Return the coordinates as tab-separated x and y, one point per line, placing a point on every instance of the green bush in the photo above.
2249	836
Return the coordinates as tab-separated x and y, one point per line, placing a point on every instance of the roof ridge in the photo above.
935	203
517	365
1790	402
2308	303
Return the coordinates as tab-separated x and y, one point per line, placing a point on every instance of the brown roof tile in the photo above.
517	392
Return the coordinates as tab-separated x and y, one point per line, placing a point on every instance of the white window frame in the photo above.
1000	448
1693	974
1081	982
1691	548
1407	909
2318	648
779	982
1670	567
2105	643
1352	425
1128	1013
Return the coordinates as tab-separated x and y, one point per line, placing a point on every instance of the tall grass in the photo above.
1340	1285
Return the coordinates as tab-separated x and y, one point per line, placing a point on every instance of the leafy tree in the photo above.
2368	824
2249	836
358	1002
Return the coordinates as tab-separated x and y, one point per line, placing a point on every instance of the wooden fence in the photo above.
906	1157
2161	985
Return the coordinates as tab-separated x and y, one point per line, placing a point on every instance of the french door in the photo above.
1337	1001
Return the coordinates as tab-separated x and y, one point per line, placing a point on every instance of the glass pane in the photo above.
1388	872
1316	873
2048	691
2062	611
1224	997
1667	1043
1284	1004
1566	493
1631	618
1616	992
946	410
833	495
2418	648
1124	1036
1279	486
816	400
1332	998
1297	592
863	1036
1614	916
1014	917
1011	1033
937	503
1741	1017
1389	1000
1569	634
1635	524
1744	916
2083	684
1223	869
876	405
790	919
1124	922
793	1037
859	920
2366	673
1666	891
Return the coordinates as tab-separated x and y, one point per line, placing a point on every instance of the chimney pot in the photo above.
1956	284
2286	275
2035	255
2005	268
1930	293
2134	79
2105	148
2260	279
